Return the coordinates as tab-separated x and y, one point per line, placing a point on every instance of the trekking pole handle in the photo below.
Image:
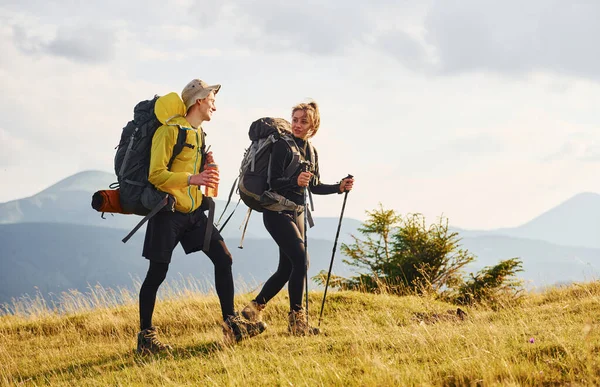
305	166
347	177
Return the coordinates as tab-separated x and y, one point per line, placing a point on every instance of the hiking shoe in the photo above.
298	325
237	328
253	311
147	342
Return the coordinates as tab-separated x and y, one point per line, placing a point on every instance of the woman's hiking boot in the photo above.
237	328
298	325
148	343
253	311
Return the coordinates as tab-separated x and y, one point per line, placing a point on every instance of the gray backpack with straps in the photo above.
255	170
252	183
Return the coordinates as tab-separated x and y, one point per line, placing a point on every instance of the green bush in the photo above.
491	285
404	255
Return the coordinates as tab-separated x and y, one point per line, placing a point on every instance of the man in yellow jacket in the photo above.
188	223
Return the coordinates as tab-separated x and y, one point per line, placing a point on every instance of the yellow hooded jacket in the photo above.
170	111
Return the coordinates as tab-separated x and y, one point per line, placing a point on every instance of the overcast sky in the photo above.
487	112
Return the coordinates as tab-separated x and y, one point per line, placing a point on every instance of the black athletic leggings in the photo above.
157	272
289	236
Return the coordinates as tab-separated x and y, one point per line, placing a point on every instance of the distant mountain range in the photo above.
69	201
55	257
54	241
575	222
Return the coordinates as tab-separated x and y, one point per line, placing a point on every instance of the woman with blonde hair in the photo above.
287	227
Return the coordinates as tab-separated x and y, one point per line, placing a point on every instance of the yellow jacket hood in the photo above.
170	110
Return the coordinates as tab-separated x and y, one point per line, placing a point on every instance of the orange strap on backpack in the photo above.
107	200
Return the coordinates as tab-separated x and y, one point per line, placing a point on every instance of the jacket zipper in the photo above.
195	164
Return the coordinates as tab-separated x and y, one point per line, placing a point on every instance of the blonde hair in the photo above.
312	113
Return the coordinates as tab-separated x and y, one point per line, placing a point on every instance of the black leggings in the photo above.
157	272
288	233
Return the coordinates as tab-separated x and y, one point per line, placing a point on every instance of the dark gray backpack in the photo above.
252	183
255	170
132	160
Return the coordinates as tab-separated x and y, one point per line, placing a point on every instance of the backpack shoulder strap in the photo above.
311	152
202	148
296	156
178	147
313	157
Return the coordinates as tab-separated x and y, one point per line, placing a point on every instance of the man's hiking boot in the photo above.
253	311
237	328
298	325
147	342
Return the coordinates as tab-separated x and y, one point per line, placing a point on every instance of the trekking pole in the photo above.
305	169
337	234
306	250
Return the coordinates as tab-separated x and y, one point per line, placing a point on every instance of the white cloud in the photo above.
13	149
83	43
515	37
427	123
579	146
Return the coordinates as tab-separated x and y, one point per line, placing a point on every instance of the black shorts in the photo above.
166	229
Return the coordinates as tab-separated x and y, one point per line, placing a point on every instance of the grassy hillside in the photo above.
551	338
